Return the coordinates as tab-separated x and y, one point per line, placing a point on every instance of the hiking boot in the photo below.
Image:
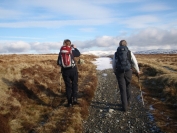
75	101
69	105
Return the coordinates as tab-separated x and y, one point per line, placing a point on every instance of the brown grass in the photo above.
33	97
4	124
159	84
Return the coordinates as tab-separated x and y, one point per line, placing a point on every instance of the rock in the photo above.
104	74
111	110
106	115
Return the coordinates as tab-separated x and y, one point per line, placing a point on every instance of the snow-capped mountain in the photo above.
157	51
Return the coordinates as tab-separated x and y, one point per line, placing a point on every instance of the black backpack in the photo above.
123	59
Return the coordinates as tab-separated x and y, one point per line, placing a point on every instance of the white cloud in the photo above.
87	29
19	37
54	23
147	39
154	36
14	47
150	38
9	14
47	14
110	16
75	9
115	1
154	7
141	21
46	47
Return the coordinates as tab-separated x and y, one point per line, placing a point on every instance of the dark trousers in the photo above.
124	82
70	77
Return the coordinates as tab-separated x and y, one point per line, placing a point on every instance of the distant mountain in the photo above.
157	51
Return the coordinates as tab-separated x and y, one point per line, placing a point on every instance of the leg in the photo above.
128	77
122	87
67	81
74	80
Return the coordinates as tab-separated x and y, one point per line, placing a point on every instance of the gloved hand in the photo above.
138	74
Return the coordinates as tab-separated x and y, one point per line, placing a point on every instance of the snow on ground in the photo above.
103	63
100	53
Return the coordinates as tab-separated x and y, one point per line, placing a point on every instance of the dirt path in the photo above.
105	110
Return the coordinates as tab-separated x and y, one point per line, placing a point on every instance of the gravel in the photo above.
105	110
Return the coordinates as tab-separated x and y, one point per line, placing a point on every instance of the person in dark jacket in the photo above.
124	76
70	76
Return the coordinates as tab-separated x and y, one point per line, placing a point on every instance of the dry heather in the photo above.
32	94
159	81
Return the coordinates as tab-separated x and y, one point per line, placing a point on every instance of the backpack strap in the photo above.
129	57
72	58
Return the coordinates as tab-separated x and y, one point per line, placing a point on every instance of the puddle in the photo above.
150	116
103	63
151	107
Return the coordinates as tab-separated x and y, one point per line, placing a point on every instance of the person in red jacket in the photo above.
70	75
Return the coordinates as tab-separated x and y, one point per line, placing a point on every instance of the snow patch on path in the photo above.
103	63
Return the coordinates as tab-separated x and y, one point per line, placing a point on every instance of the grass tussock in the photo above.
32	94
159	84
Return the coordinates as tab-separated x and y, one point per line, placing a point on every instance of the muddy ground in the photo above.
105	110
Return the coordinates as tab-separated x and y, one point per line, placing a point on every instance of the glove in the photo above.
138	74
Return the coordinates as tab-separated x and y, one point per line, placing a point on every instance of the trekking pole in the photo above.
141	94
60	81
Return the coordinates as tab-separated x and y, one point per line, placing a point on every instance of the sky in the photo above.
40	26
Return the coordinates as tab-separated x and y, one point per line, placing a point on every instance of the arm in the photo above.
75	52
114	64
58	59
135	63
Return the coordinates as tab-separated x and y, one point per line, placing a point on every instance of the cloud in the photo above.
147	39
103	41
87	29
14	47
153	38
76	9
141	21
20	37
9	14
154	7
115	1
46	47
53	14
34	47
54	23
56	14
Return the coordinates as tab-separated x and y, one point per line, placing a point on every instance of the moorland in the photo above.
159	86
32	92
